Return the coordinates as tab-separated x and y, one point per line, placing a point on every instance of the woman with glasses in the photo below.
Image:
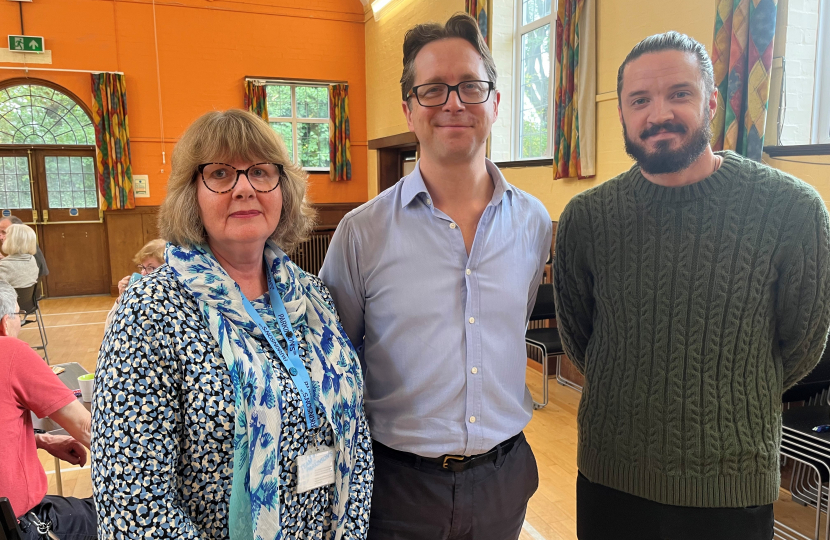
148	258
228	400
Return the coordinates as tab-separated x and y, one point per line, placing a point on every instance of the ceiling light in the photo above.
381	7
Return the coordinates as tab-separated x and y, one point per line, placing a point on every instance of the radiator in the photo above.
310	254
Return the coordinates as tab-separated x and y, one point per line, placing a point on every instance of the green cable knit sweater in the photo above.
689	310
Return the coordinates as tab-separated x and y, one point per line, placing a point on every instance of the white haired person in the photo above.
19	268
27	386
228	399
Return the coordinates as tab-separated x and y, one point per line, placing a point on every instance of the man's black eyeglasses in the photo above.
437	94
222	178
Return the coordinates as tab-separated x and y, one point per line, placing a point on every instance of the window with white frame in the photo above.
299	113
803	98
533	111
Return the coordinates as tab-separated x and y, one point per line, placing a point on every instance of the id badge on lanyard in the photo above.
291	358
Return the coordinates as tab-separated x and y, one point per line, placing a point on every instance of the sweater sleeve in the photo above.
803	300
573	286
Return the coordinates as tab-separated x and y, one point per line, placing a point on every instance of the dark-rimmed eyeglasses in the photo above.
20	315
150	268
437	94
222	178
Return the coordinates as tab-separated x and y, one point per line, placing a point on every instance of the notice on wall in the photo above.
141	185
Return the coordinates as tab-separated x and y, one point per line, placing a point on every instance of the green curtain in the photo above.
255	99
340	166
742	59
112	139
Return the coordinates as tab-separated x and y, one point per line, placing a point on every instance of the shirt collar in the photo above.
413	185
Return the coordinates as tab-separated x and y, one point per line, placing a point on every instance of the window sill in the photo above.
798	150
541	162
317	169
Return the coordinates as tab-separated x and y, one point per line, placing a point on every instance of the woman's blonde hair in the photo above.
20	239
224	136
154	249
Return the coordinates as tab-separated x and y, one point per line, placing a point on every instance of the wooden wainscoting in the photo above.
127	232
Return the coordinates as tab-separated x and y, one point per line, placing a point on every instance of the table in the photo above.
72	370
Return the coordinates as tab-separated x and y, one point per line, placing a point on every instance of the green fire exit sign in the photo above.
26	44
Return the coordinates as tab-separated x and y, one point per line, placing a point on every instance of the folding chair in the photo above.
8	521
544	343
27	299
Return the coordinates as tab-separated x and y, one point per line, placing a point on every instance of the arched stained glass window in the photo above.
34	114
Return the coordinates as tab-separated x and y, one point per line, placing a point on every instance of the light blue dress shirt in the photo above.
440	334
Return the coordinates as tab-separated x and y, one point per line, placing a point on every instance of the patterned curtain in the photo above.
340	156
480	10
575	90
112	140
255	99
742	58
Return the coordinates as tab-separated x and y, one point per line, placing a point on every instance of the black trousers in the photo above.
71	518
603	513
425	502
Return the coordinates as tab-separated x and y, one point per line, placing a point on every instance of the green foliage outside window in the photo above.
312	138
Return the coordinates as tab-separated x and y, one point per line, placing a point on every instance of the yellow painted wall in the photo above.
816	175
384	63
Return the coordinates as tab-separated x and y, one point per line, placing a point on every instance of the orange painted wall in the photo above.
206	48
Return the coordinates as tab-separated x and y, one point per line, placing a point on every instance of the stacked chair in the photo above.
543	342
808	450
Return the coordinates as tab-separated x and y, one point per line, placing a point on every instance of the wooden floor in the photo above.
75	328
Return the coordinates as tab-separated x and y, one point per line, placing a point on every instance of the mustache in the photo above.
665	126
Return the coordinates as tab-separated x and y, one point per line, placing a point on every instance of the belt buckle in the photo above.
447	458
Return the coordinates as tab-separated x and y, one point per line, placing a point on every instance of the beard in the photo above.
664	159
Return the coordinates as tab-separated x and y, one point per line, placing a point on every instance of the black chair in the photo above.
27	299
814	387
8	521
544	343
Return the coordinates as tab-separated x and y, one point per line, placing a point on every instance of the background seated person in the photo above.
5	223
19	268
28	385
148	258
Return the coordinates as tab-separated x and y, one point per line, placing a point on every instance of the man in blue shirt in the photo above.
434	281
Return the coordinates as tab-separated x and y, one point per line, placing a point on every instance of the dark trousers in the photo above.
71	518
603	513
422	501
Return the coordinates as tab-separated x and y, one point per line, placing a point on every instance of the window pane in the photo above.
283	129
534	9
91	199
14	182
312	102
31	114
535	73
313	144
279	101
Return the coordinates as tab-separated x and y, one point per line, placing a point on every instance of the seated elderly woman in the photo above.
148	258
28	385
19	268
228	399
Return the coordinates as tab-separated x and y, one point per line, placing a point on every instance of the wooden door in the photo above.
74	239
53	189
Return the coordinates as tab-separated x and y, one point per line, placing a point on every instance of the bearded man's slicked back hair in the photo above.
459	25
671	41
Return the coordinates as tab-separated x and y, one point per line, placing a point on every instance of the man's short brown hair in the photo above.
459	25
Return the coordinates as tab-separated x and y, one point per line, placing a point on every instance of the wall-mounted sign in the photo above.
26	44
141	185
7	213
73	212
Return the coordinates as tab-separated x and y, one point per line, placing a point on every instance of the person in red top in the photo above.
28	385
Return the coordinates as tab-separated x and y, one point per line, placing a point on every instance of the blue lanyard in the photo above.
291	360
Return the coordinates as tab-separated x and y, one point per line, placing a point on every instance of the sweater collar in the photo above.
715	182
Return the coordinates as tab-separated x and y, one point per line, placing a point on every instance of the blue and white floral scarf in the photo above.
334	371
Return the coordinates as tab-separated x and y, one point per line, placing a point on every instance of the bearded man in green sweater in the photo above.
691	291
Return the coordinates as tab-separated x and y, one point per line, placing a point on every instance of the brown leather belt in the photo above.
448	462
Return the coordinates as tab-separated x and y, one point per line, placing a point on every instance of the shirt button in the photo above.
474	370
469	271
452	225
472	419
472	320
429	202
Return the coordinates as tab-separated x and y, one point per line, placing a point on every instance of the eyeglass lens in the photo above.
470	92
220	177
